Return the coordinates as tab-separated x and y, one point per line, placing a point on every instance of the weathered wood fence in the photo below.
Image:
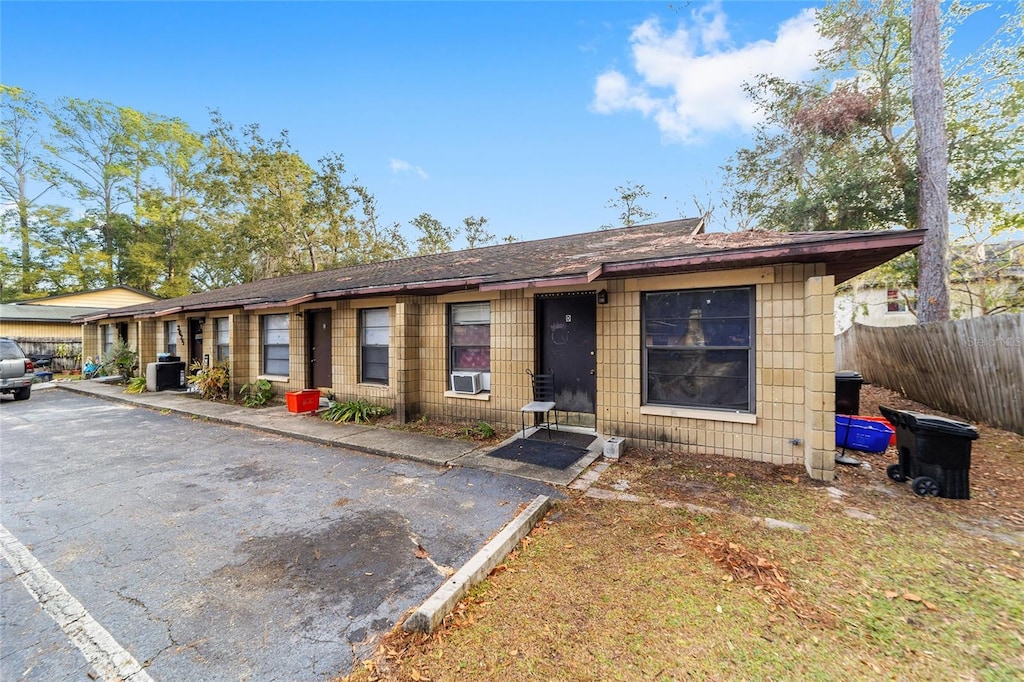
973	368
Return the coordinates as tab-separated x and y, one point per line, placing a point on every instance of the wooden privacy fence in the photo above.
972	368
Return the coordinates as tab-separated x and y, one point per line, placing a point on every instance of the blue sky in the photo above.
528	113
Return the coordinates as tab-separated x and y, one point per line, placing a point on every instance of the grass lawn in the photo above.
867	582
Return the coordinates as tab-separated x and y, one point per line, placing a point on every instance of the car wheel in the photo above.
22	393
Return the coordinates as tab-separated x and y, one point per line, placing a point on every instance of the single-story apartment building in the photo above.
42	325
662	334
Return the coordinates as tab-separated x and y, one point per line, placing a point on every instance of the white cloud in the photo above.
690	80
400	166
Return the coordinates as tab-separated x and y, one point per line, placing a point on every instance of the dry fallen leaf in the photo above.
889	594
910	596
421	553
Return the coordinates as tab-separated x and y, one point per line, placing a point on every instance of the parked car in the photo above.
16	370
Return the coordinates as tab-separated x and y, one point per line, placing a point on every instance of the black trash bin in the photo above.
848	392
934	453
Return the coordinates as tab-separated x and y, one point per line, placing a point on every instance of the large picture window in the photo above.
274	337
469	337
222	339
698	349
374	338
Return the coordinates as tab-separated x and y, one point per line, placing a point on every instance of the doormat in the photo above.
541	452
577	440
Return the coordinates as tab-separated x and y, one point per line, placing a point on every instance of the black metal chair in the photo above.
542	403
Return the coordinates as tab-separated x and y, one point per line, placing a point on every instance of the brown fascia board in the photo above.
884	246
536	283
440	285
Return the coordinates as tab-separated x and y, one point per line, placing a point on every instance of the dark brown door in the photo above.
195	340
318	333
567	343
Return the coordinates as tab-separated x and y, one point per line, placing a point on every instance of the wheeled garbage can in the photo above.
934	453
848	392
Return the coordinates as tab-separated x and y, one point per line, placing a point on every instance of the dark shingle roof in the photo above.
15	312
667	247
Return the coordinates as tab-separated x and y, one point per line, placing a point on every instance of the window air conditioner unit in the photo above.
466	382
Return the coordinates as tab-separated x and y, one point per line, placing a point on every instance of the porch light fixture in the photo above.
602	297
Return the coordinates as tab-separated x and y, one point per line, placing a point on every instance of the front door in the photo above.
567	346
195	340
318	336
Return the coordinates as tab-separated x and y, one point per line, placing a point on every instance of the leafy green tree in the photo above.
627	200
838	152
20	154
434	237
90	144
476	233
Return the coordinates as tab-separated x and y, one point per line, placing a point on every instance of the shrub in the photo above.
136	385
121	360
482	431
358	411
212	382
257	394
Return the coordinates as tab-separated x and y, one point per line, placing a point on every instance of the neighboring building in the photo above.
670	337
984	279
39	325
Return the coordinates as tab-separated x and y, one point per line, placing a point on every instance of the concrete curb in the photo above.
430	614
227	421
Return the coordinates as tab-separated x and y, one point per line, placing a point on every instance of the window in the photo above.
274	333
469	337
222	339
698	349
374	337
109	336
171	333
894	302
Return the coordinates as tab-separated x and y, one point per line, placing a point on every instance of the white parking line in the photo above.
108	658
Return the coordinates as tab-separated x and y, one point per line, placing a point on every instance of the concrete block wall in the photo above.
793	421
793	360
512	353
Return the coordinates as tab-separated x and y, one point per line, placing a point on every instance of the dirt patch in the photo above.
475	431
997	464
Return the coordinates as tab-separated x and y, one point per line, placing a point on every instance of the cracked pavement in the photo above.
216	552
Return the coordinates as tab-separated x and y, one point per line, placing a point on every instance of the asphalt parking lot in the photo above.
215	552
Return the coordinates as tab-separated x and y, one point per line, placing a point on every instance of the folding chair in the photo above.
543	401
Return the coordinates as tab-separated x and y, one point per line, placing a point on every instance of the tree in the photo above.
434	236
839	152
476	232
20	151
628	200
277	214
91	143
932	161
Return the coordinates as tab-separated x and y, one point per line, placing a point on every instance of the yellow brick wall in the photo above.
793	421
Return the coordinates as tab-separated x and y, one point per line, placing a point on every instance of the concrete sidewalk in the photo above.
310	427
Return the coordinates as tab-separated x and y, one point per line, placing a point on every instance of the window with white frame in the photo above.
171	334
222	339
274	338
469	339
374	339
698	349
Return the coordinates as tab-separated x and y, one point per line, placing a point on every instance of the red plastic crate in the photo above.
307	400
